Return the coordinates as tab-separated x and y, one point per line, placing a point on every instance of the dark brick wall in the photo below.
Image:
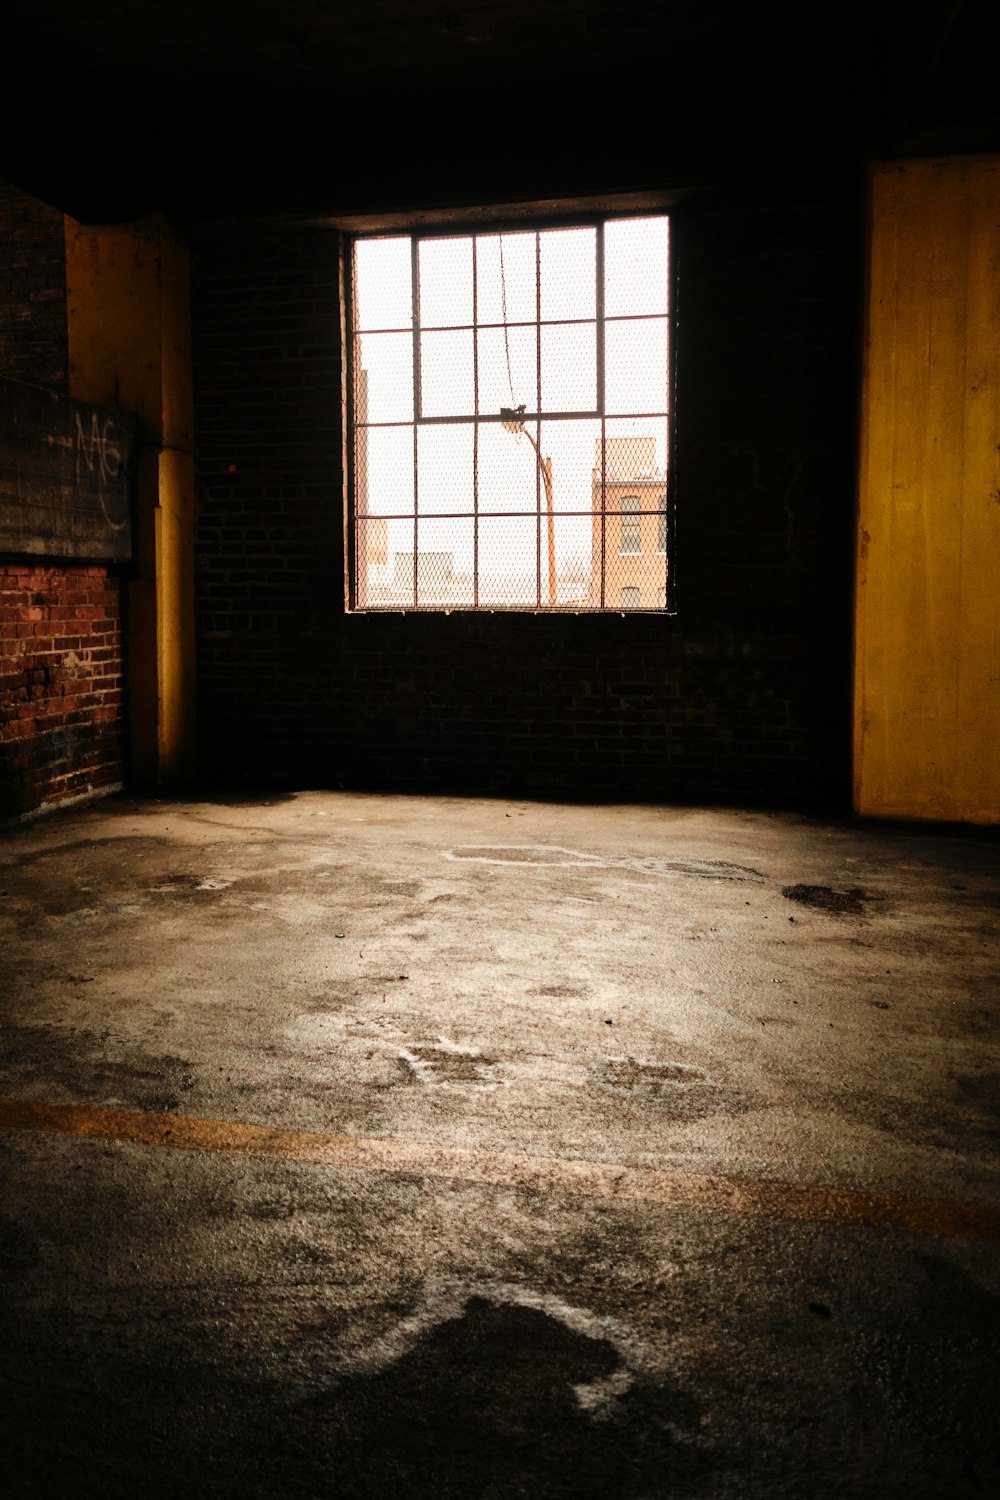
61	725
33	343
742	696
60	683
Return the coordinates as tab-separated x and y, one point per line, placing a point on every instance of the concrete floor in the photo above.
376	1146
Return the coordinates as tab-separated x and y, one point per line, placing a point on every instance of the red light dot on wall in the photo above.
230	468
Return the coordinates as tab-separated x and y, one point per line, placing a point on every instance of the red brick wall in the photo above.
61	672
60	683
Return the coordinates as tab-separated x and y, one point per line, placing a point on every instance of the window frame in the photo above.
481	223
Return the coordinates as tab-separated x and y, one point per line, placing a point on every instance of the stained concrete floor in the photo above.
374	1146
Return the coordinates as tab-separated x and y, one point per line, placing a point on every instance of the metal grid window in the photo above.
510	419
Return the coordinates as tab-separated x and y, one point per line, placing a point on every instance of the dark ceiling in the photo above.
218	107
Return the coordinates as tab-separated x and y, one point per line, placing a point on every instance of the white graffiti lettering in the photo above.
99	448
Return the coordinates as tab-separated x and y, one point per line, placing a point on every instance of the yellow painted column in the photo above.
128	311
927	659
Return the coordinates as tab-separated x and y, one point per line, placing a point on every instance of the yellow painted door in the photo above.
927	666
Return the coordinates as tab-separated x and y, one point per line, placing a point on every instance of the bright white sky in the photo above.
635	287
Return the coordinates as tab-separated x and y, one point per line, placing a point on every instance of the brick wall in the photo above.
742	696
61	709
60	683
33	343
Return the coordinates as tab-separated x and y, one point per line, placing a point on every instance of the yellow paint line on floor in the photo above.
539	1174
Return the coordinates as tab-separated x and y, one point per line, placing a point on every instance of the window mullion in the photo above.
475	425
417	410
599	308
538	422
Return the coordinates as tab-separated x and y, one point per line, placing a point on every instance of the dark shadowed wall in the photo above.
742	695
61	671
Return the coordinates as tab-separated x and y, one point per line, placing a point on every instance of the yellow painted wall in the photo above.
927	666
128	310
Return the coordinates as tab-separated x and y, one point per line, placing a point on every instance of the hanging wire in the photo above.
506	339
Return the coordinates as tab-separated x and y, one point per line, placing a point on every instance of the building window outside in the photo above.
509	418
631	534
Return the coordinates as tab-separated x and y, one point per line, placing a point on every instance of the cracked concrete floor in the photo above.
380	1146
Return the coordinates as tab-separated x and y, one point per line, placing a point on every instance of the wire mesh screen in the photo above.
510	419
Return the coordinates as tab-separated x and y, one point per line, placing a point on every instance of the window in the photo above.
631	535
509	418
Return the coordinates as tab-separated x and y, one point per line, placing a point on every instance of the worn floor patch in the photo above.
638	1072
676	1089
825	898
444	1062
183	884
99	1066
554	856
